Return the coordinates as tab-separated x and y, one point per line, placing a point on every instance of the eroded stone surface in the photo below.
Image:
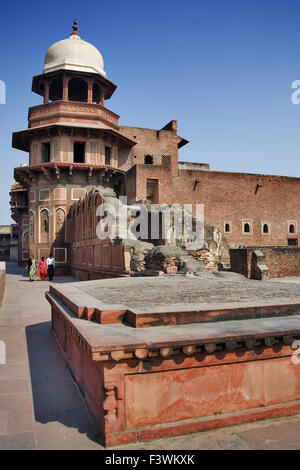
211	288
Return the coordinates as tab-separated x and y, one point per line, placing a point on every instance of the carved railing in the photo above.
65	109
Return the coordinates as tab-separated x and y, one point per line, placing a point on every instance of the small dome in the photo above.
74	54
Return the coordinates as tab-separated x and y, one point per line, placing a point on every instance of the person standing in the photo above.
28	266
51	267
32	269
43	268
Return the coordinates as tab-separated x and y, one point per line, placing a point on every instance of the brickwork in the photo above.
280	261
156	143
236	197
137	183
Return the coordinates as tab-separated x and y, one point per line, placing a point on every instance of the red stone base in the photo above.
138	398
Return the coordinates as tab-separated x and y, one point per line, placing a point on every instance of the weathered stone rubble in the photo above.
172	257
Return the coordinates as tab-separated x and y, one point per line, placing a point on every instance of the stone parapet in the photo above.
57	111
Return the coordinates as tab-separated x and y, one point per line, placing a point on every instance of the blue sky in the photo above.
223	69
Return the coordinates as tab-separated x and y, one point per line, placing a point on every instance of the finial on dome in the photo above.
75	28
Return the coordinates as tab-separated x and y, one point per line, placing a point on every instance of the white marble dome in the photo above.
74	53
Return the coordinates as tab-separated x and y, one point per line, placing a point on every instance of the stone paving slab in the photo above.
279	434
172	290
18	441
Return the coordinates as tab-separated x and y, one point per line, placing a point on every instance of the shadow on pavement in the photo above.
15	270
55	395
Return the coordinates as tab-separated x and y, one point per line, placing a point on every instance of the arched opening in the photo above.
265	228
227	227
44	226
60	225
78	90
148	160
246	227
56	90
96	94
292	228
25	239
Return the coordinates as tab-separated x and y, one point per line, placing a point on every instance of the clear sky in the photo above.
223	69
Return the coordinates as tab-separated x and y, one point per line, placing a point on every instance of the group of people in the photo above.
41	268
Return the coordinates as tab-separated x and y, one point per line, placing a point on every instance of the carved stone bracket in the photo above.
113	404
70	174
90	174
57	172
47	174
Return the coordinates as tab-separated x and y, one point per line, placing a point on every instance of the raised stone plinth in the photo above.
160	357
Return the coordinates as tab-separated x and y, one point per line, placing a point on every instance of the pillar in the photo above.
65	96
90	91
46	94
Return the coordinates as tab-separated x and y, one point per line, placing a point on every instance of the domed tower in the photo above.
73	142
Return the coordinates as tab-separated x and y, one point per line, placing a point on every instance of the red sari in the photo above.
43	269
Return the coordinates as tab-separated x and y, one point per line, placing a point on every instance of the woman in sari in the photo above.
43	268
32	270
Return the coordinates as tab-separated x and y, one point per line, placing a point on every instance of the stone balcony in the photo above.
71	111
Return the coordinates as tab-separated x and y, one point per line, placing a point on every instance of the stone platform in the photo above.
159	357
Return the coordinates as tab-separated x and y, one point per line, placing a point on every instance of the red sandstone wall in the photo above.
96	259
92	258
172	396
181	394
232	197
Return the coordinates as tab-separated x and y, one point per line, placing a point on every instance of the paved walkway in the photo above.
41	407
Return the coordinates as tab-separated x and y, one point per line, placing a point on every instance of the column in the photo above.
46	94
90	90
65	96
102	98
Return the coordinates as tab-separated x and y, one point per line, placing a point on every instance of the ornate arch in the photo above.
44	224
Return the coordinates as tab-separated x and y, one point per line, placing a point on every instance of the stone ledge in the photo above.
202	313
118	342
86	306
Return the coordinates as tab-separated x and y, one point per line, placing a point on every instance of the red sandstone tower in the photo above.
73	142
